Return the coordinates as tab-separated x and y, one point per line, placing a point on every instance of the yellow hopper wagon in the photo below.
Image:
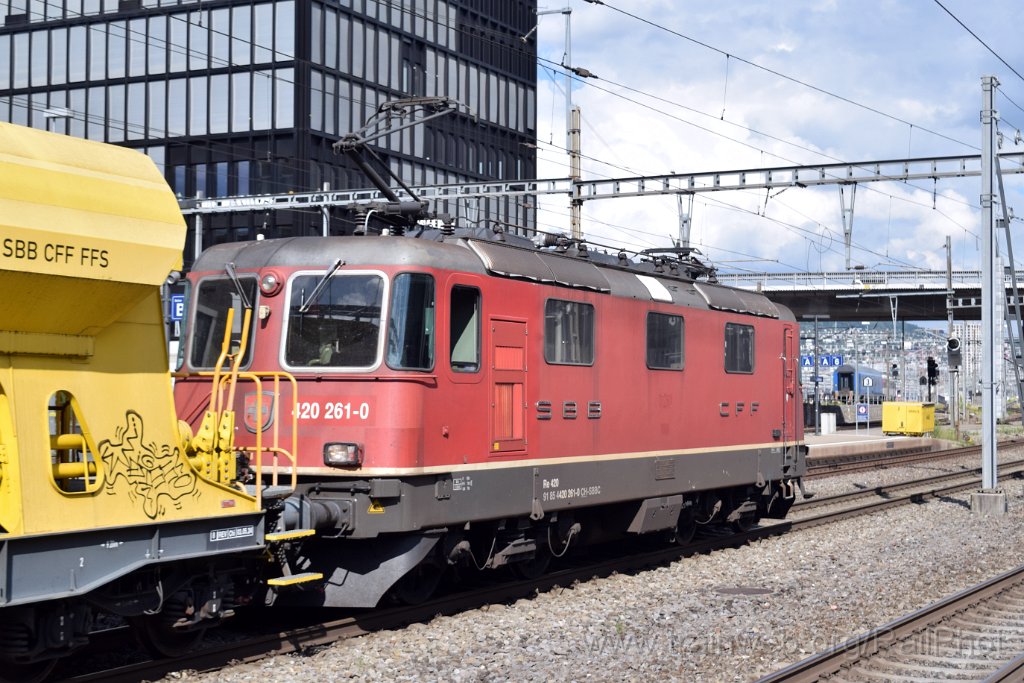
107	503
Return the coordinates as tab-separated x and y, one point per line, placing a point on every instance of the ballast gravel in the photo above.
731	615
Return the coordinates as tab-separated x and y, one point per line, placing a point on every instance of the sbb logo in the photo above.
25	249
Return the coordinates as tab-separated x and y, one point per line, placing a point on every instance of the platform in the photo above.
866	440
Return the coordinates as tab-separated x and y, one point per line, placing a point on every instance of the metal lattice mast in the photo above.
989	500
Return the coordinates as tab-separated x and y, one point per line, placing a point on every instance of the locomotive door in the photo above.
790	387
508	382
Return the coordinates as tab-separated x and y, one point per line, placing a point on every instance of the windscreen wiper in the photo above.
318	290
230	269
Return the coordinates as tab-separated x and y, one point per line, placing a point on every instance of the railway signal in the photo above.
953	355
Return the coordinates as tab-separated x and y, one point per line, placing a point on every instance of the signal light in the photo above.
953	352
933	371
342	454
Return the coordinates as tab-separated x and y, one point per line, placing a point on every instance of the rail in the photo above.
940	635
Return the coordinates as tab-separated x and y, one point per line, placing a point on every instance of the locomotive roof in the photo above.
490	257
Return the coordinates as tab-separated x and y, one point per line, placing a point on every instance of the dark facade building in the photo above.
235	97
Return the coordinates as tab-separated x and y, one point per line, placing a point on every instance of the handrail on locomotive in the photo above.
214	439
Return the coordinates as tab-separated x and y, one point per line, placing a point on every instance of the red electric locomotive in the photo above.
479	401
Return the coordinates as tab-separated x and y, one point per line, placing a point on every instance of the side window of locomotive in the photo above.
739	348
665	341
465	329
340	327
411	325
213	300
568	332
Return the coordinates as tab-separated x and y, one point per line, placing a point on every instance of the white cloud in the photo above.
909	60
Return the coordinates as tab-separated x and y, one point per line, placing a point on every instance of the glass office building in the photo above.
236	97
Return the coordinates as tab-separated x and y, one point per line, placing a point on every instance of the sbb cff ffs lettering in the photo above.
29	250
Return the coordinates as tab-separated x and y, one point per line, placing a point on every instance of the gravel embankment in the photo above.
696	620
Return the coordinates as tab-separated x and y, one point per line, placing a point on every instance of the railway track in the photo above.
828	465
975	635
306	636
1006	469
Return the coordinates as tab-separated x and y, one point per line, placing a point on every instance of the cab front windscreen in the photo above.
215	297
334	323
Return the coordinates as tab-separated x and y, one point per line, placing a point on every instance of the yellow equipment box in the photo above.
904	417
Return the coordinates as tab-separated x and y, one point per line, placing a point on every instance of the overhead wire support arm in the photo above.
1015	332
847	215
779	177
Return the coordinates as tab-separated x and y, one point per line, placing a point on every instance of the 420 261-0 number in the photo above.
337	410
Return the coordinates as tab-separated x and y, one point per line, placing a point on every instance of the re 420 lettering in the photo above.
334	410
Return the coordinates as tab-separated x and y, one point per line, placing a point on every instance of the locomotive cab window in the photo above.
664	341
214	298
411	326
568	332
465	329
334	320
739	348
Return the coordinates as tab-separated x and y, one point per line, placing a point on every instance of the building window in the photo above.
568	332
241	35
665	341
739	348
284	98
263	34
243	178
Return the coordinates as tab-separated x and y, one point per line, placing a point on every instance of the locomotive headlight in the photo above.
270	283
342	454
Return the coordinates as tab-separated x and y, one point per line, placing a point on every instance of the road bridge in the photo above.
857	295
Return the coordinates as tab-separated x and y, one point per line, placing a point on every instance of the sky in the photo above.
804	82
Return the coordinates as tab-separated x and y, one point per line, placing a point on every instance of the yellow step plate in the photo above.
295	579
289	535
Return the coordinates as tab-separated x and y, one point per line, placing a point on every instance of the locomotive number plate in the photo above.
357	410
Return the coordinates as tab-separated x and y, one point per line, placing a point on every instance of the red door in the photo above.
508	379
791	407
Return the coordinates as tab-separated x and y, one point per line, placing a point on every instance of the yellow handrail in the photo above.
275	448
221	406
225	348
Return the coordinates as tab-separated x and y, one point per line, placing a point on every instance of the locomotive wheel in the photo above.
160	639
33	672
535	566
746	522
419	584
686	527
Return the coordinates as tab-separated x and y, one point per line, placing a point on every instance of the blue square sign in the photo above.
177	307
